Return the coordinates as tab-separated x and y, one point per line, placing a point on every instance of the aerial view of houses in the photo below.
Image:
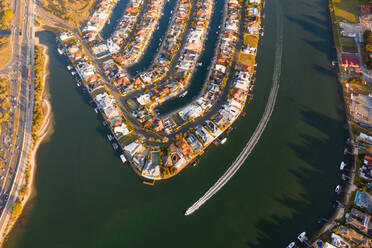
160	147
351	225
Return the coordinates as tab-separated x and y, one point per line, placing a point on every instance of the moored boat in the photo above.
123	159
302	237
338	189
342	165
291	245
184	94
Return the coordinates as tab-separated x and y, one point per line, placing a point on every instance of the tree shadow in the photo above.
323	154
324	70
318	29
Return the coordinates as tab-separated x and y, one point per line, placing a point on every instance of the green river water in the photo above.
85	197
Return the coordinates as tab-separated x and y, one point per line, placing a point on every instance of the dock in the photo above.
149	183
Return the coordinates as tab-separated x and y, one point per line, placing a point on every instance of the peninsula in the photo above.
160	146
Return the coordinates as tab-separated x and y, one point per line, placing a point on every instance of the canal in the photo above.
85	197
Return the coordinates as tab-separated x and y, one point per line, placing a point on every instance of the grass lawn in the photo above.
246	59
250	40
348	9
126	140
348	44
5	51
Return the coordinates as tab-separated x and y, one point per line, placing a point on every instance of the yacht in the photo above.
69	67
109	136
302	237
223	141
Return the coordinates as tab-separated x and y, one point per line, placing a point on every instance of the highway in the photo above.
22	107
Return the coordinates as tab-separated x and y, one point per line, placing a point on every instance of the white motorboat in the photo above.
338	189
123	159
302	237
342	165
291	245
223	141
184	94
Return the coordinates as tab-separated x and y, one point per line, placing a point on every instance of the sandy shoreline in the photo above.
43	132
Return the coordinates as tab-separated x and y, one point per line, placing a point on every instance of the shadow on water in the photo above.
324	70
318	29
313	151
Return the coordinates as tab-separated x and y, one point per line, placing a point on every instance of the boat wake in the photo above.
258	131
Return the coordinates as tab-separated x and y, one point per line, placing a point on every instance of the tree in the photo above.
16	209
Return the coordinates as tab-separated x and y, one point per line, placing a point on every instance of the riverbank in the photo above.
339	13
25	193
78	173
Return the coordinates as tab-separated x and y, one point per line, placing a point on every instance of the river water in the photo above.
85	196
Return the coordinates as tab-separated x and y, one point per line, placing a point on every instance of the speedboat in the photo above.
109	136
291	245
302	237
223	141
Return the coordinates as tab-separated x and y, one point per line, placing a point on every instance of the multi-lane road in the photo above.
18	135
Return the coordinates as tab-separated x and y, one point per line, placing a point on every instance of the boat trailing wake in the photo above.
258	131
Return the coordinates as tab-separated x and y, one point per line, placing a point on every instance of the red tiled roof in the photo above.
350	61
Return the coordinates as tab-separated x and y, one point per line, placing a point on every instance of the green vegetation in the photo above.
5	49
348	44
247	59
6	14
38	114
4	99
126	140
250	40
4	95
75	12
16	209
348	9
168	171
367	48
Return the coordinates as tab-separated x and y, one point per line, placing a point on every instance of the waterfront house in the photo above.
132	148
360	221
363	200
184	147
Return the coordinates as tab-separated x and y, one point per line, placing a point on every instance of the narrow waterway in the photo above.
148	57
85	196
200	74
117	13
